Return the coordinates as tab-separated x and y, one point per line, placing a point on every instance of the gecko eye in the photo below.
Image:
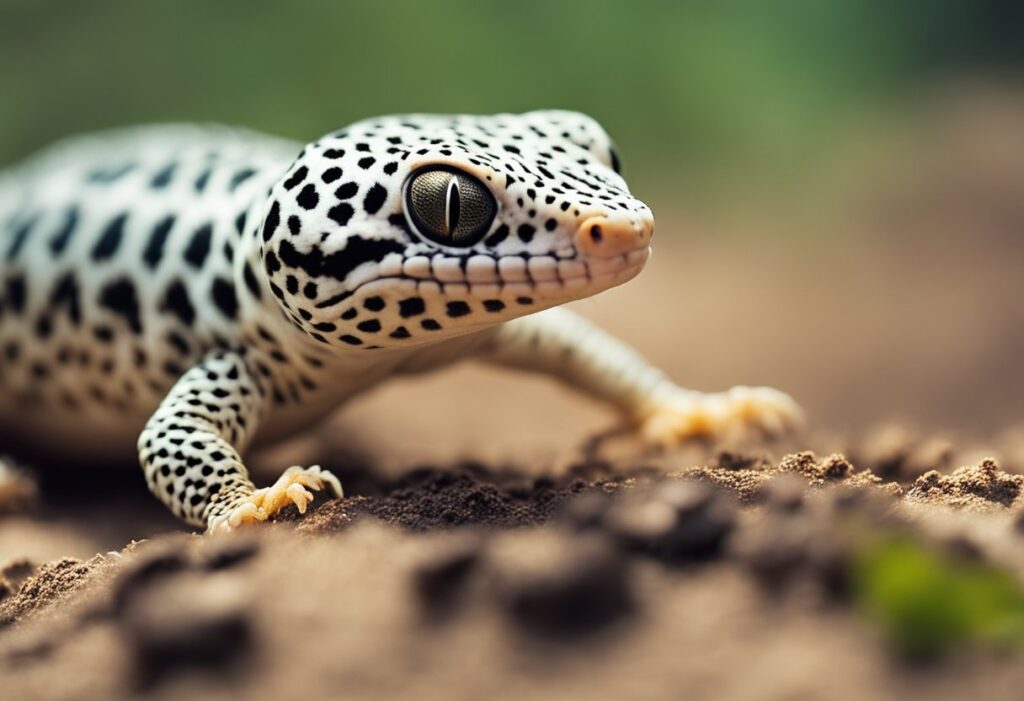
448	206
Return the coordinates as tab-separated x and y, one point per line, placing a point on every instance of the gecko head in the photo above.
404	230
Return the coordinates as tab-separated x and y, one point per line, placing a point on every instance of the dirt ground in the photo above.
488	549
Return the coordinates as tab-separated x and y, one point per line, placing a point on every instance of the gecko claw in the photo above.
295	486
738	411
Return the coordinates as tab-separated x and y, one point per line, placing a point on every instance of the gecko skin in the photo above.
192	289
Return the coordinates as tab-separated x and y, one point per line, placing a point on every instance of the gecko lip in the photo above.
509	276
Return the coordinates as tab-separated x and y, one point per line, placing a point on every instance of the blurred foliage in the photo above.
927	603
689	89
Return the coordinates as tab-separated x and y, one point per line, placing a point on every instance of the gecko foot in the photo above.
292	487
738	411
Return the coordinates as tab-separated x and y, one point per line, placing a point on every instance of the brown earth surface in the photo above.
489	548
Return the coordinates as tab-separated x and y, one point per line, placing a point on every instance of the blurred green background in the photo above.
698	94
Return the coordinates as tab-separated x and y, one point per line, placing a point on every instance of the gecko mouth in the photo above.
542	277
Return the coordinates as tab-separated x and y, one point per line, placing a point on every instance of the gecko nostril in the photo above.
595	233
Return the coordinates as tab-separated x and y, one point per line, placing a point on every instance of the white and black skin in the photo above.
197	288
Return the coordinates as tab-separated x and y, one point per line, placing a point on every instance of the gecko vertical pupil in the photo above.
448	206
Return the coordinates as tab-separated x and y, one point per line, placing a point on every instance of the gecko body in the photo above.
191	291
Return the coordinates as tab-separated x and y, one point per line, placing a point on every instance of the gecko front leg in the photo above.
190	449
575	351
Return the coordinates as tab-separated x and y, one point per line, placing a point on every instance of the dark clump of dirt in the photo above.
437	499
675	522
188	622
983	486
561	585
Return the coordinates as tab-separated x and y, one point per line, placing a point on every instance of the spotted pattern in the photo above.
197	284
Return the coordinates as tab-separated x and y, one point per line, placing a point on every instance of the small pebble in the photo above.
677	521
562	585
441	576
186	623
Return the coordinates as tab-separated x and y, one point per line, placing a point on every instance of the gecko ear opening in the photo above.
448	206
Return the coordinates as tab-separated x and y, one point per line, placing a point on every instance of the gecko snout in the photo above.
605	237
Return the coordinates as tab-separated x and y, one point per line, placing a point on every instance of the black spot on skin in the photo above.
457	309
369	326
524	300
251	283
44	327
350	313
308	197
110	239
325	326
295	178
155	246
178	341
240	222
224	297
340	263
430	325
374	304
271	263
400	332
525	233
309	290
375	198
351	340
65	292
341	213
103	334
499	235
334	153
163	177
240	177
550	225
493	305
177	302
272	221
120	297
346	190
413	306
398	220
203	180
291	283
294	224
61	239
366	163
199	247
331	174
